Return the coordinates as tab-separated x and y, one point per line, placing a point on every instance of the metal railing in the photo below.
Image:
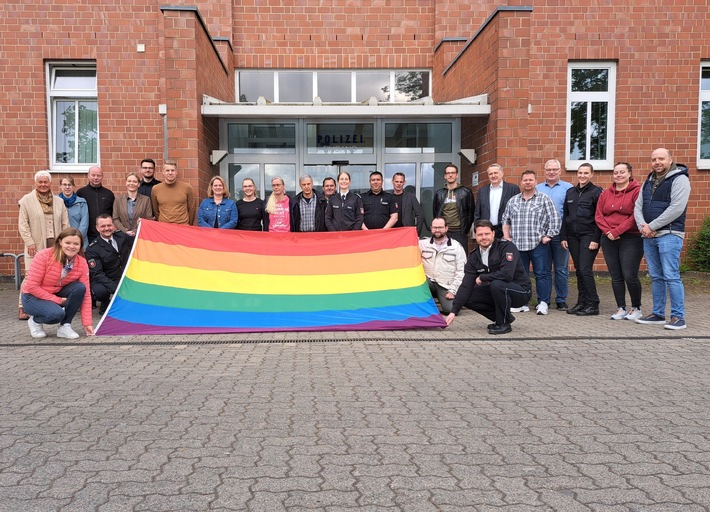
18	271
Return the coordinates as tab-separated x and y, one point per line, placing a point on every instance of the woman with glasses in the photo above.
250	208
278	208
76	207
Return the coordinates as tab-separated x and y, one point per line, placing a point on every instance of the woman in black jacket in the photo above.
580	234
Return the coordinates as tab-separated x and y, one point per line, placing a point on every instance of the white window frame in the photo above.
353	73
703	96
54	95
588	97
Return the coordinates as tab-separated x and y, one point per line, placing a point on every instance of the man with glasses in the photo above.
148	173
444	260
558	256
455	203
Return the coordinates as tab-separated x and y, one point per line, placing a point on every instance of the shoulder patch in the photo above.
509	256
92	263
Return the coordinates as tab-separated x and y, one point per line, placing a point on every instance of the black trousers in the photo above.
494	300
461	238
583	259
623	258
100	293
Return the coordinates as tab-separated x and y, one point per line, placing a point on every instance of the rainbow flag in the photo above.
192	280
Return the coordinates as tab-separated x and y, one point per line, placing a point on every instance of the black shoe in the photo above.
589	310
562	306
103	308
575	308
500	329
511	319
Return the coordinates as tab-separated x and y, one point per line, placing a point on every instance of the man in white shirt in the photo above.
492	199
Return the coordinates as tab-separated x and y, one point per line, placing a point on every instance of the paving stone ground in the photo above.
565	414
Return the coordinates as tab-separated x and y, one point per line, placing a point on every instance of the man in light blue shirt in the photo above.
558	256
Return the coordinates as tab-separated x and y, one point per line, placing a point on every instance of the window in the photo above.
591	92
333	86
704	143
73	110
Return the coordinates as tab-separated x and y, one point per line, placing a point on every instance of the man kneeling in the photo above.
494	280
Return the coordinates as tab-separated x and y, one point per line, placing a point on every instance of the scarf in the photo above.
46	201
69	201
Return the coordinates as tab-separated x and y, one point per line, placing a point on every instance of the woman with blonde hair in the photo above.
250	208
218	210
278	208
128	208
57	287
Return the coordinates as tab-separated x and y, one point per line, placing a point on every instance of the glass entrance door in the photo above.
359	175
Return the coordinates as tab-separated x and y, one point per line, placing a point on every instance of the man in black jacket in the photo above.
494	280
308	208
492	199
410	211
98	198
107	257
455	203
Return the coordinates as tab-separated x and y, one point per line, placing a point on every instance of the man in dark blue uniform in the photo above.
494	280
107	257
380	206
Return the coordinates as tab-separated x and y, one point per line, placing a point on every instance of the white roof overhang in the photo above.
475	106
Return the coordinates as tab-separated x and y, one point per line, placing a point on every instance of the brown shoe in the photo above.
21	315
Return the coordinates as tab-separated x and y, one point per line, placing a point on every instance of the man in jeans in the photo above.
531	221
660	215
558	255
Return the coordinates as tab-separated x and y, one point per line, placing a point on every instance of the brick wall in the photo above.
128	89
337	34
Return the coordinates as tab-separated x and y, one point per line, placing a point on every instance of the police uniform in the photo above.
506	283
378	208
344	214
106	265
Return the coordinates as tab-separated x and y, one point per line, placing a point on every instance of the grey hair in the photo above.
43	174
305	177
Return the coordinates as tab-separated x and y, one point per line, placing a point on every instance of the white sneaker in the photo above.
619	315
521	309
633	314
36	330
65	331
542	308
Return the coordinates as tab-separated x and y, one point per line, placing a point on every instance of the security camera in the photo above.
469	155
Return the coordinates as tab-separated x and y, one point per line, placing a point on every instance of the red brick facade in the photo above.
518	57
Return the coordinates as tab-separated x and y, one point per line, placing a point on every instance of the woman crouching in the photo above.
56	287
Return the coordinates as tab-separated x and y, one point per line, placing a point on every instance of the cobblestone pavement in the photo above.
565	414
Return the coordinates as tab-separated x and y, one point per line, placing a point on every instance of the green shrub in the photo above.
699	248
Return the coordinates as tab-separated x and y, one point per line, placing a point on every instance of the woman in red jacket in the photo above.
56	287
621	240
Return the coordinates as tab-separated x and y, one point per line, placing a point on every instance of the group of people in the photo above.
545	223
80	241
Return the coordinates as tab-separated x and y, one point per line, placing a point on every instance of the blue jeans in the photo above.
663	261
543	279
48	312
558	257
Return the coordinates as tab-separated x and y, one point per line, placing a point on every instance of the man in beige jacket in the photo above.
42	217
